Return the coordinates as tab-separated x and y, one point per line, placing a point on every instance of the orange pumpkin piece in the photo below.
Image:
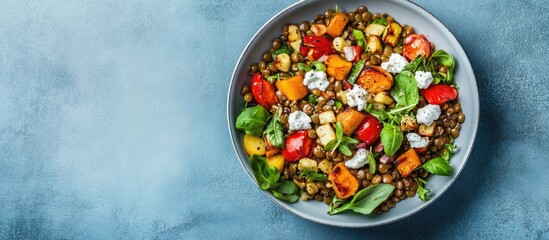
407	162
338	68
292	88
375	79
343	181
350	119
270	149
337	24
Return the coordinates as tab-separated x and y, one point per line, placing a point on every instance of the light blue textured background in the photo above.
112	124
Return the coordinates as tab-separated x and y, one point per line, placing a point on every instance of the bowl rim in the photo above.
466	64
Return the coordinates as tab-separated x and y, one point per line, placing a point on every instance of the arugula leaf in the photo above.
414	65
284	49
312	175
303	67
381	21
359	36
365	201
252	120
445	59
391	138
275	132
338	104
341	142
423	193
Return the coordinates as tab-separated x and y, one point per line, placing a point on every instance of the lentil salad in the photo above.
339	110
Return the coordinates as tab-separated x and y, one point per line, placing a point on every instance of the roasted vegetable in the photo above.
293	33
292	88
338	68
375	79
416	45
369	130
428	131
327	117
254	145
439	94
325	133
407	162
343	181
408	123
392	33
373	45
298	146
263	91
282	62
307	164
374	29
350	120
276	161
318	29
337	24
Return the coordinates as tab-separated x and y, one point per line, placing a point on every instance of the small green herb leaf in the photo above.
391	138
381	21
275	132
284	49
312	99
445	59
312	175
341	142
286	191
422	192
438	166
303	67
359	36
371	162
318	66
266	176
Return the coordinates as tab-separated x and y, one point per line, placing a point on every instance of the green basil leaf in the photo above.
286	191
331	145
343	148
405	91
391	138
266	176
445	59
252	120
366	200
414	64
438	166
275	132
359	36
339	131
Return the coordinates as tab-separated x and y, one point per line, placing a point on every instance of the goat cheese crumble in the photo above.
316	79
424	79
428	114
417	141
299	120
356	97
396	64
359	159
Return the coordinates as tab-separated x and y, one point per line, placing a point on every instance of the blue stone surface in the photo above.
113	124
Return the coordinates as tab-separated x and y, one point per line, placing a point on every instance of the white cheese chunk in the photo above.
396	64
424	79
356	97
417	141
299	120
428	114
316	79
359	159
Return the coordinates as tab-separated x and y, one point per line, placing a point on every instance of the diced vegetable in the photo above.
276	161
384	98
263	91
292	88
392	33
416	45
293	33
373	45
314	47
296	45
254	145
374	29
369	130
337	24
270	149
298	145
307	164
325	166
338	68
427	131
282	62
355	71
407	162
318	29
311	188
375	79
408	123
344	182
325	133
350	119
339	44
342	96
327	117
439	94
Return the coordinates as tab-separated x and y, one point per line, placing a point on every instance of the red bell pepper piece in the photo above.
369	130
263	91
316	47
298	146
439	94
358	52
